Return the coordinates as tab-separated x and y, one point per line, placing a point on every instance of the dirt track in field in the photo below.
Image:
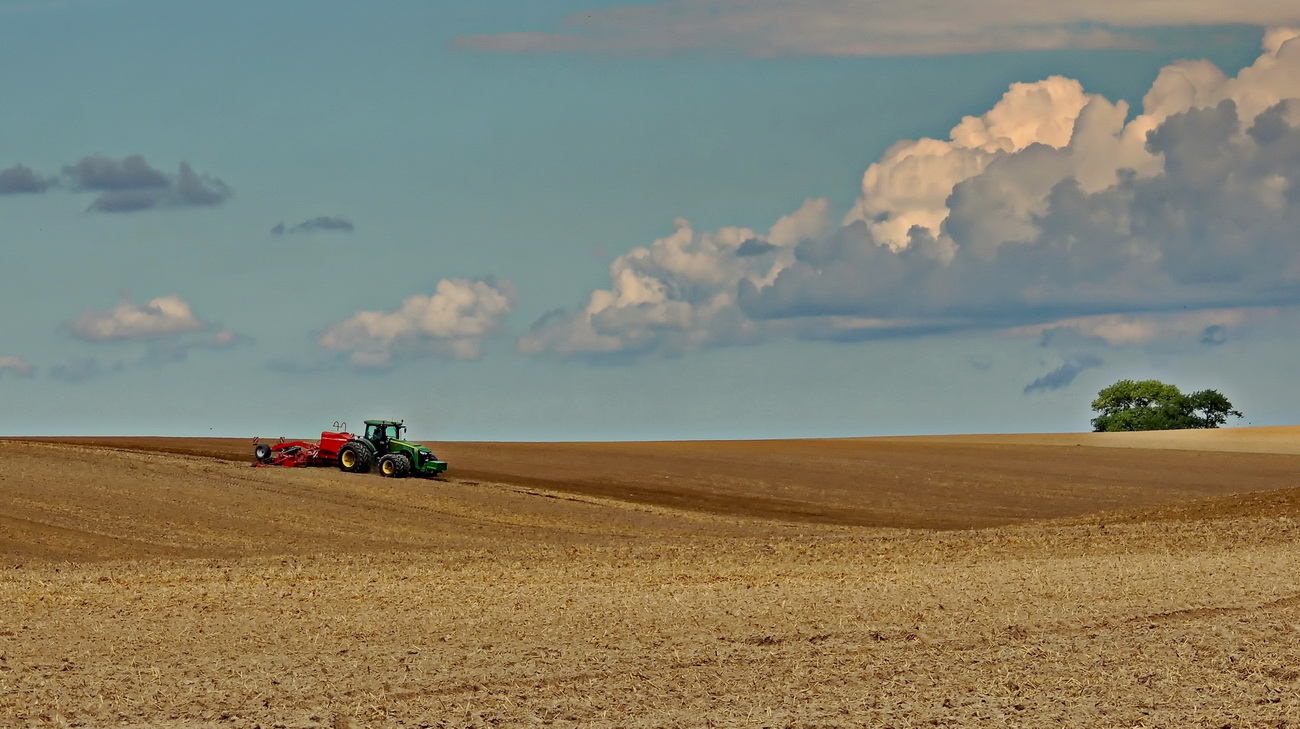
1038	580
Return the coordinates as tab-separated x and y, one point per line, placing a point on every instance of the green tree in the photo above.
1155	405
1210	408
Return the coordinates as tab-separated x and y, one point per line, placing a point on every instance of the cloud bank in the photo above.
875	27
1052	208
131	185
453	322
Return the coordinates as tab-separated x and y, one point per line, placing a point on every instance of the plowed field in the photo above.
1066	580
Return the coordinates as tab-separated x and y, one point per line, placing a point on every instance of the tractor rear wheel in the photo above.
395	465
354	458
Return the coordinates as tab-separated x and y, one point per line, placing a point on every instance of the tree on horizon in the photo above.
1130	405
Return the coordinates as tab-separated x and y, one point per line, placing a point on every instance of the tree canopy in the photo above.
1155	405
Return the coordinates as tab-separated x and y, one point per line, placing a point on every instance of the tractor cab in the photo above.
381	433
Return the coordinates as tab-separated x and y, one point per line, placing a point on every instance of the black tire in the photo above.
395	465
354	458
262	452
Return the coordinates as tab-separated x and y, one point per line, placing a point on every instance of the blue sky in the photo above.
457	183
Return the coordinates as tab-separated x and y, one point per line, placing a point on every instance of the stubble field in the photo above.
1080	580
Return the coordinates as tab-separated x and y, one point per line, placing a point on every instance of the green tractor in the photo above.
383	446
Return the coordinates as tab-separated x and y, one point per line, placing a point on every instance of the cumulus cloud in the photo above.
1056	208
16	366
131	184
875	27
160	318
452	322
679	293
1062	376
166	327
20	179
319	223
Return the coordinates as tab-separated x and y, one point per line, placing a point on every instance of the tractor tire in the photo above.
395	465
262	452
354	458
403	465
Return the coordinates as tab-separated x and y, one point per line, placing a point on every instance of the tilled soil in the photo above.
925	483
652	585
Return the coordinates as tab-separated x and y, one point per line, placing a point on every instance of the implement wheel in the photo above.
395	465
354	458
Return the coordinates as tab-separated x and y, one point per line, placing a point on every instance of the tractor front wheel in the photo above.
354	458
395	465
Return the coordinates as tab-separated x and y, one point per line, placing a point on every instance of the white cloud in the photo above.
160	318
911	184
877	27
453	322
1051	206
167	326
17	366
678	293
1092	140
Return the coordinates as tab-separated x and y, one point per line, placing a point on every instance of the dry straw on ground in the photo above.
247	597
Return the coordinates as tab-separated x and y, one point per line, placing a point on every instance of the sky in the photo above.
585	219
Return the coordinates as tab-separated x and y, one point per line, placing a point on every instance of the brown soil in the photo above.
1149	581
927	483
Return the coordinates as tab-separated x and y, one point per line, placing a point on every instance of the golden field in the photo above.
1086	580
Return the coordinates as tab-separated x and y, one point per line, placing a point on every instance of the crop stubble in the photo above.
169	590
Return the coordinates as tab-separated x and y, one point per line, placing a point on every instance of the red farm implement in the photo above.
332	450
